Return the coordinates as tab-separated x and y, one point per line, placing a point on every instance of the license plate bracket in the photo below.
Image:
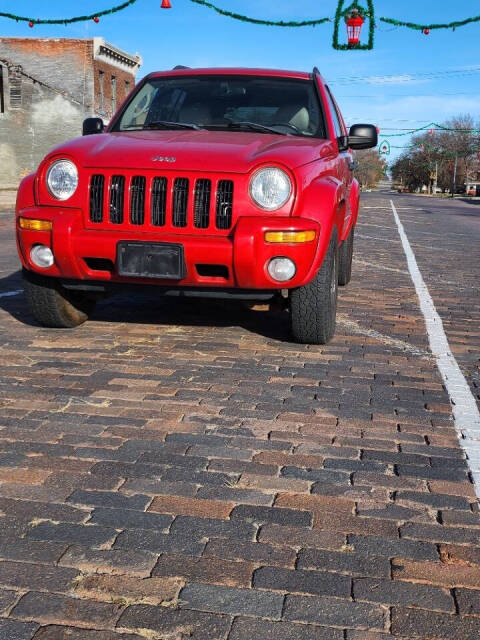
162	260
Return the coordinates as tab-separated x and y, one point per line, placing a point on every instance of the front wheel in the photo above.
313	307
54	306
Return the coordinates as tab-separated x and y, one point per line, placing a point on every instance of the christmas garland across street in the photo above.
354	16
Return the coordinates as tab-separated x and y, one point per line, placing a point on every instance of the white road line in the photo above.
400	345
464	408
361	235
379	266
11	293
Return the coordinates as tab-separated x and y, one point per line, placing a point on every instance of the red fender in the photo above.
322	202
26	193
354	205
25	199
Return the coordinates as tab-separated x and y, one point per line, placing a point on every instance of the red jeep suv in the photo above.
212	182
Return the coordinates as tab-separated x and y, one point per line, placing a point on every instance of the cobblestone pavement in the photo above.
179	470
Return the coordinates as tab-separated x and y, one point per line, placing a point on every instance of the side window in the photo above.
102	92
114	94
15	81
2	95
337	123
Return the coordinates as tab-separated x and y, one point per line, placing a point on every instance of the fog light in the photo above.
281	269
41	256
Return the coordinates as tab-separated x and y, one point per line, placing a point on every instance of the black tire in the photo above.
54	306
345	255
313	308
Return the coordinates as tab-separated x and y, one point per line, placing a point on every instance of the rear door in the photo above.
345	158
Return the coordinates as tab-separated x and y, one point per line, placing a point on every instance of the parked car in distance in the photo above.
233	183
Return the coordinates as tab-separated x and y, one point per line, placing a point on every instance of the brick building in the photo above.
47	87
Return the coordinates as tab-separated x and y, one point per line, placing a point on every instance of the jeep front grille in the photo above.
117	190
161	201
137	200
96	198
224	204
201	211
180	202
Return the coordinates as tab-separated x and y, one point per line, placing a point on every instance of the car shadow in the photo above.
167	311
469	200
150	309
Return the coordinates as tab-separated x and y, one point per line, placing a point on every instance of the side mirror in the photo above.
92	125
362	136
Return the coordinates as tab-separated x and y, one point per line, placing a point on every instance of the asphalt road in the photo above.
178	470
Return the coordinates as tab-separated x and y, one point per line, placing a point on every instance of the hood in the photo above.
225	151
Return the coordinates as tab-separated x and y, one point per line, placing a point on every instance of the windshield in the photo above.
237	103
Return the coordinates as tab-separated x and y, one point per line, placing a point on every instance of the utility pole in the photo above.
435	184
454	175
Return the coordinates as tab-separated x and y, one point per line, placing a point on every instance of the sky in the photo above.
407	81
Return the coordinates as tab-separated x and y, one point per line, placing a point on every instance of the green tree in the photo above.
370	168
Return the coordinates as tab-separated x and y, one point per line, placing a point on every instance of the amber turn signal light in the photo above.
30	224
289	237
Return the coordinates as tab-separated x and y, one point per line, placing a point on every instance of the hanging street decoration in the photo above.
353	17
384	148
354	22
432	127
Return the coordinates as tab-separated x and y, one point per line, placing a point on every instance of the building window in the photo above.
102	92
15	82
2	96
127	88
114	94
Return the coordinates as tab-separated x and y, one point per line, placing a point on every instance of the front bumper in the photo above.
244	253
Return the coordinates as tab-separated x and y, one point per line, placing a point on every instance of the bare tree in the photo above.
446	156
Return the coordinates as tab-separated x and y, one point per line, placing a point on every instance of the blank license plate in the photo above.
151	260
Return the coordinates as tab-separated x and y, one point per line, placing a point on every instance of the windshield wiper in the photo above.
254	126
165	124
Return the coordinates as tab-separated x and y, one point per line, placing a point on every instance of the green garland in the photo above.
422	27
98	14
270	23
432	125
339	14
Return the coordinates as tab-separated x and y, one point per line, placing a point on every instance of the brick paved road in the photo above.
181	471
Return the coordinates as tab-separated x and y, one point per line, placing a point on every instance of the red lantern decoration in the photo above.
96	19
378	129
165	4
426	32
354	27
31	24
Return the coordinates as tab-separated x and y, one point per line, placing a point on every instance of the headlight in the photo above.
62	179
270	188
